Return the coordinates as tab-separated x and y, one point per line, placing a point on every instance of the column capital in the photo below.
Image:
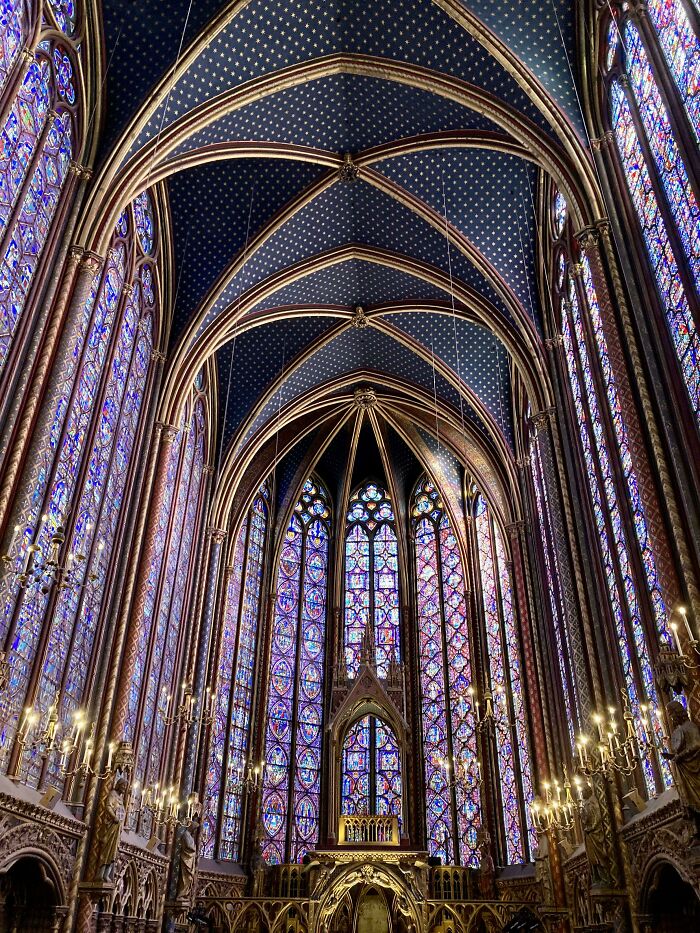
158	356
515	529
588	238
217	534
603	142
540	419
80	171
168	432
553	342
91	262
75	254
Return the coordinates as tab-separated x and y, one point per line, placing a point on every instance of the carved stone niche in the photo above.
139	887
30	831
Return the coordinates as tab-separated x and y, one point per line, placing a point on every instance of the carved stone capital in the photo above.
157	356
128	289
588	237
553	342
28	56
74	255
91	262
540	419
80	171
602	142
515	529
168	432
217	535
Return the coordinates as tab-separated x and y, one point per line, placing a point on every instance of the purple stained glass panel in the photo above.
11	35
681	47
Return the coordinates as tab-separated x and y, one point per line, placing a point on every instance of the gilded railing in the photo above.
368	830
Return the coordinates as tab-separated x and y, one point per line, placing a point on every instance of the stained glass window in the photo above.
160	625
449	736
669	168
65	14
565	654
36	144
104	384
11	35
230	734
560	212
292	774
632	644
621	436
505	688
371	579
681	47
371	770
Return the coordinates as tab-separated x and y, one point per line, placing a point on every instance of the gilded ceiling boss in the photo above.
349	466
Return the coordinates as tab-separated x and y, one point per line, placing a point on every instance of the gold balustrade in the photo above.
368	830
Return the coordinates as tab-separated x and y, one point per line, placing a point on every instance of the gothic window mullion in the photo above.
456	841
599	480
239	617
295	699
57	465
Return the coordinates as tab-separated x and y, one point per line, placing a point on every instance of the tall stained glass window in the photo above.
565	655
371	579
37	142
449	735
371	770
504	682
293	734
75	487
229	755
607	457
154	690
12	23
654	168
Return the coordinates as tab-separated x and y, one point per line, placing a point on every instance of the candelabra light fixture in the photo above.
460	773
35	563
73	742
163	803
190	710
495	709
558	807
620	747
247	776
688	659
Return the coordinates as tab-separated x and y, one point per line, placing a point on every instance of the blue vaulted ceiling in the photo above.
396	214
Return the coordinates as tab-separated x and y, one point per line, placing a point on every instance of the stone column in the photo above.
165	434
516	530
544	427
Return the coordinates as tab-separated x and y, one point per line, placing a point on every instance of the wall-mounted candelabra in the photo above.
247	777
71	741
163	804
557	808
190	710
493	710
37	564
462	773
620	747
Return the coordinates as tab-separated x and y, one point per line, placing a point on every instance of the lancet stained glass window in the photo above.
663	177
506	689
153	692
371	579
632	644
681	47
230	734
12	23
292	773
101	389
36	143
449	736
371	770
